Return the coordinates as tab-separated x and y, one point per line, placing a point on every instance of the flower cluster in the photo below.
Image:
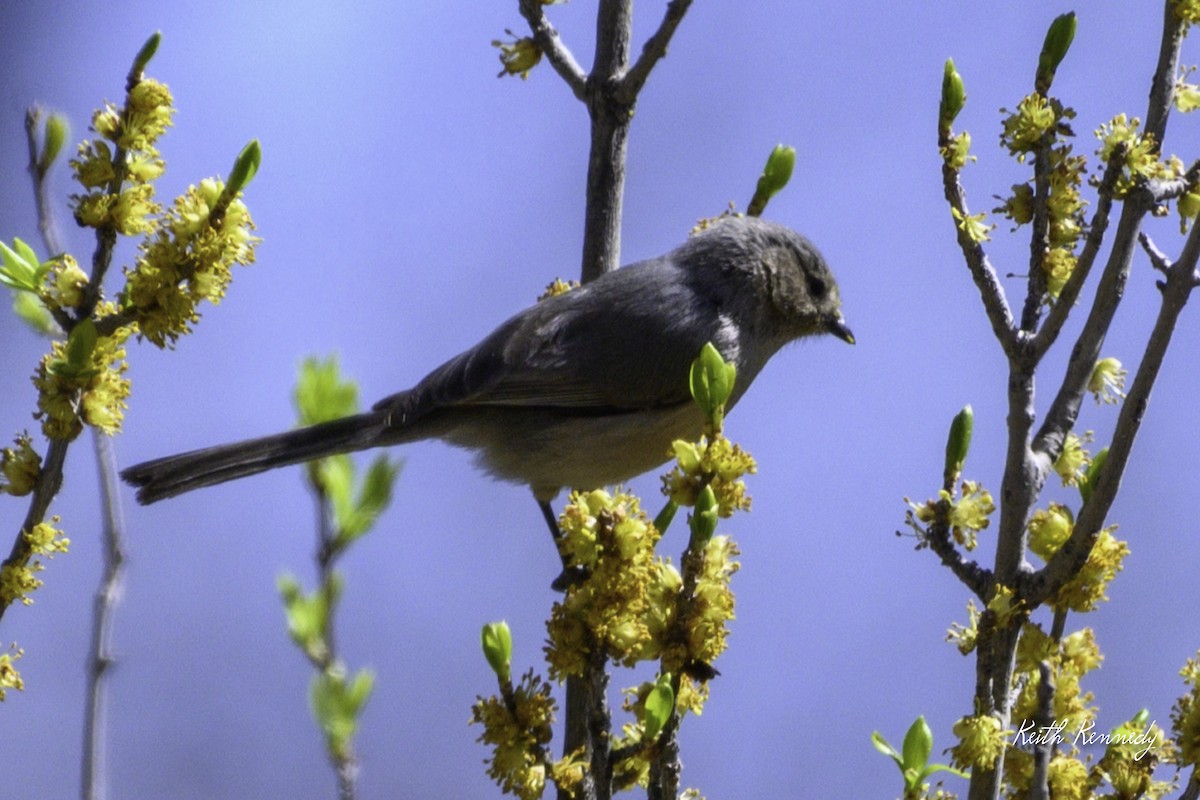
708	611
718	463
10	678
626	604
18	580
1107	383
77	386
20	467
1073	460
188	260
518	731
981	740
120	193
1141	154
1185	716
966	515
64	285
518	55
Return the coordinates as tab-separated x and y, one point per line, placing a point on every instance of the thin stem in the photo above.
655	48
547	39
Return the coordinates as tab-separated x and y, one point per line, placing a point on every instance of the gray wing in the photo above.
623	342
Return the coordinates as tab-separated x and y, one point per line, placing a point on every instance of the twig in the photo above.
1162	87
1043	751
547	39
654	49
990	291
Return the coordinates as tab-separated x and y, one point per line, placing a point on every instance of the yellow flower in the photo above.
1058	263
974	225
517	56
1073	459
9	677
46	539
1024	128
964	637
1068	779
17	582
957	152
518	736
64	284
1049	528
21	467
719	463
1107	383
1087	589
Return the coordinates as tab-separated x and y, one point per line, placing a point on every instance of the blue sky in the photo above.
409	201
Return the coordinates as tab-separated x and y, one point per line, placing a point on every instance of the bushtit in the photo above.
585	389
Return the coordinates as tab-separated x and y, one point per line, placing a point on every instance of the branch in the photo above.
1039	239
654	49
549	42
1181	279
973	576
990	290
1162	87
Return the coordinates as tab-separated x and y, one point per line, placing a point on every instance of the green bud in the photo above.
1088	482
496	639
1141	718
660	703
954	97
1058	41
918	745
53	139
958	443
81	343
146	53
775	175
665	517
711	381
704	518
245	167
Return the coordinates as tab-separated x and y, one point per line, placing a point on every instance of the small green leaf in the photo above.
81	343
33	312
321	394
660	703
664	518
20	266
496	640
918	745
882	746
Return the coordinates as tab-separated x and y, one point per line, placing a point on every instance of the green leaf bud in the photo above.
958	443
81	344
711	381
954	97
1058	41
146	53
496	639
704	518
53	139
775	175
245	167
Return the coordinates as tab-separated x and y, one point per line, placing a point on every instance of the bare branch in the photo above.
1158	259
547	39
654	49
1162	87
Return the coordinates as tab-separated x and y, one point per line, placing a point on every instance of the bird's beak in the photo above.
837	327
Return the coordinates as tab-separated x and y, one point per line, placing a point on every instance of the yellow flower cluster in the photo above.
975	226
1187	10
187	260
1107	383
64	285
1142	160
20	467
981	740
967	515
1049	529
1130	759
1035	118
709	610
1071	659
70	395
966	636
518	733
957	151
718	463
9	677
556	287
18	581
627	602
127	207
1185	716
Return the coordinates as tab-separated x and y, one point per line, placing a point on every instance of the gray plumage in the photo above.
585	389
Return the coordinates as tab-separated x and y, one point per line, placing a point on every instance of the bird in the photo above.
583	389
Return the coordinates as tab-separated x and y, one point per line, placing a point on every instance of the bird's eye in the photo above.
816	287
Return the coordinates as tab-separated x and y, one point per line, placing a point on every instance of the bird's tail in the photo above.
172	475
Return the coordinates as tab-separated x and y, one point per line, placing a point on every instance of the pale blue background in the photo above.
409	201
